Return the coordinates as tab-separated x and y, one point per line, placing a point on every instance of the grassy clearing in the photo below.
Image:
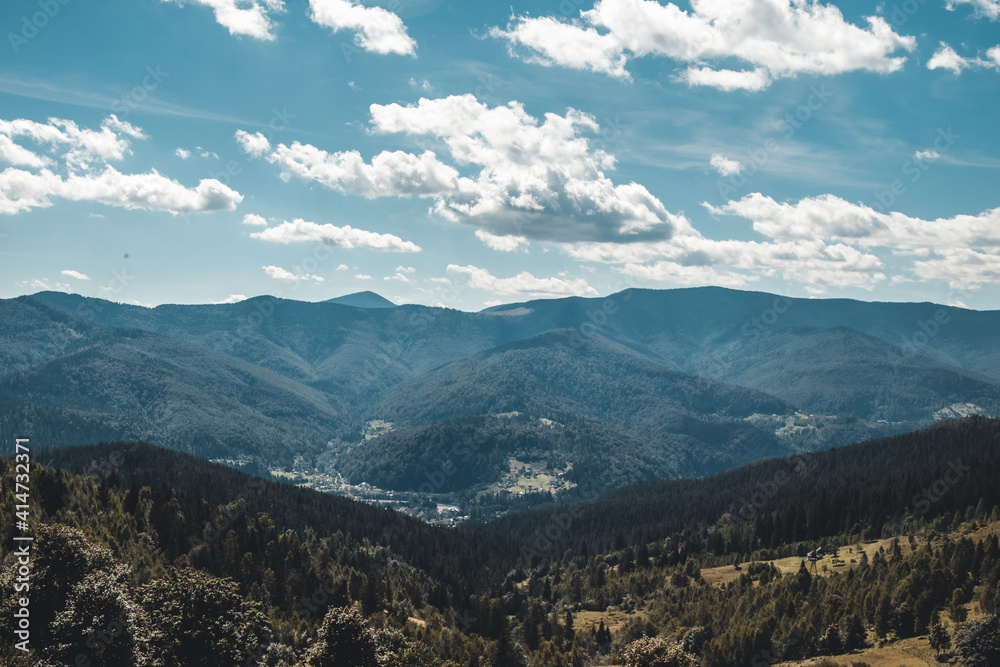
614	620
848	558
523	477
915	652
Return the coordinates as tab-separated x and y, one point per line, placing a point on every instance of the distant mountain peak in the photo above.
366	299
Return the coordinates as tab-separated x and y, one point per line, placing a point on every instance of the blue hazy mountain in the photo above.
713	376
366	299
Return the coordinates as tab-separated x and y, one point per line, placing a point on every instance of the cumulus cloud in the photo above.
522	177
75	274
501	243
773	38
182	154
832	218
403	274
964	250
254	220
74	166
255	144
962	268
522	283
298	230
232	298
989	9
927	156
243	18
724	165
363	276
43	285
390	174
726	79
279	273
375	29
696	260
22	191
947	58
83	146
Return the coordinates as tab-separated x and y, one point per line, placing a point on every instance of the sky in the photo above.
466	154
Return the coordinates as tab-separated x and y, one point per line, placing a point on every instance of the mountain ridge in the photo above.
670	362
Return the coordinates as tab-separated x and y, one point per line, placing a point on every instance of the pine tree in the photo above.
939	638
506	653
343	640
854	633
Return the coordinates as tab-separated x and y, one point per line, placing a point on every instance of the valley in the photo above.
503	489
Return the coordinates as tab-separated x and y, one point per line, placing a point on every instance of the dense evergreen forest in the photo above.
144	556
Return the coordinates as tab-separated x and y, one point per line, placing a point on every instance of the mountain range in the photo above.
642	384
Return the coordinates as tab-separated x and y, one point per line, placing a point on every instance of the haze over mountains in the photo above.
642	384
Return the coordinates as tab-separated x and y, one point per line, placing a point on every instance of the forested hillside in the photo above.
708	572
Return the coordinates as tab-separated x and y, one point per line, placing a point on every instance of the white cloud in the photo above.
724	165
726	79
390	174
21	191
679	274
255	144
963	250
84	174
982	8
249	18
16	155
694	259
299	230
343	267
75	274
525	178
962	268
423	84
402	274
776	38
522	283
207	153
232	298
84	146
43	285
832	218
363	276
182	154
501	243
279	273
254	220
555	42
927	156
947	58
376	29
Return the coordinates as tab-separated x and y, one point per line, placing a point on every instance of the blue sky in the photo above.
466	154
